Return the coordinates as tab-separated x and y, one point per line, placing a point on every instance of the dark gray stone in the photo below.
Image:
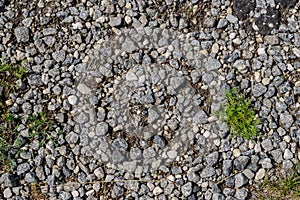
241	162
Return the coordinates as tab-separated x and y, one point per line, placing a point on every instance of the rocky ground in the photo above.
131	88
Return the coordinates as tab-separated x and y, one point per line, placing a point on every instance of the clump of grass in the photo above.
280	188
9	74
239	116
39	125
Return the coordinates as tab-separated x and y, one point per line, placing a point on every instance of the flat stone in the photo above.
212	64
7	193
101	128
231	18
241	162
260	174
115	21
286	120
208	172
288	154
200	117
84	89
22	34
187	189
72	99
240	180
258	90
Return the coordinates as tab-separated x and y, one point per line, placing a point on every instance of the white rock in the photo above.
261	51
260	174
236	153
7	193
72	99
288	154
84	89
157	190
265	81
296	52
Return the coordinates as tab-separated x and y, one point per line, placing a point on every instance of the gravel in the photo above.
133	88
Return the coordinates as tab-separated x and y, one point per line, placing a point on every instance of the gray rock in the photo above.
231	18
160	141
65	195
128	46
84	89
222	23
176	170
59	56
267	145
212	64
286	120
240	180
157	190
207	172
241	194
72	138
49	40
35	80
277	155
280	106
177	82
187	189
241	162
30	177
22	34
115	21
288	154
120	144
135	153
81	118
49	31
153	115
227	167
258	90
200	117
23	168
99	173
101	128
212	158
210	22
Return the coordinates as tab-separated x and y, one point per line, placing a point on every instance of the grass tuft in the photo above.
239	116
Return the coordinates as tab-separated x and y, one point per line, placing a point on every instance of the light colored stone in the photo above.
260	174
72	99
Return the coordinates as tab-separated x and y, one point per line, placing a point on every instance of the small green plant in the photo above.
39	126
9	123
280	188
238	115
9	74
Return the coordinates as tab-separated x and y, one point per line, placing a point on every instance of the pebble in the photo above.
260	174
136	110
7	193
22	34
